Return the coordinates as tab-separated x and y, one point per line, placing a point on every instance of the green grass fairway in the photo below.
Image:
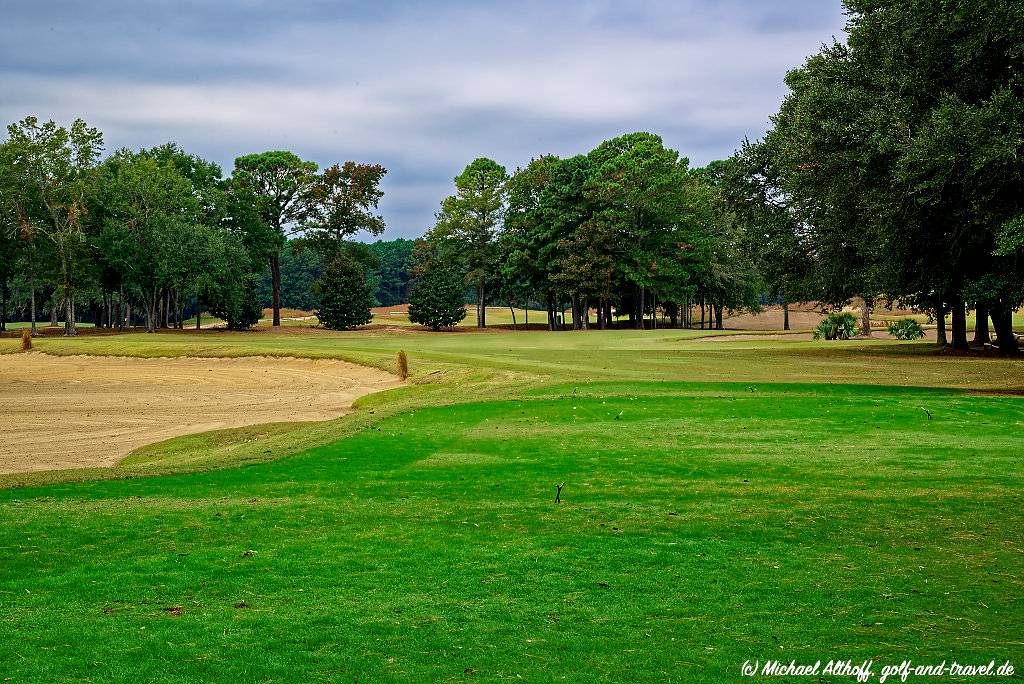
723	501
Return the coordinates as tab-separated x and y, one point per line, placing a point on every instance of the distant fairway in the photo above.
723	501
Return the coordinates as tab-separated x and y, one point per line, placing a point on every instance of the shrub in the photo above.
438	297
838	326
906	329
345	295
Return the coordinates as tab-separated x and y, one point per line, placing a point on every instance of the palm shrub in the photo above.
906	329
837	326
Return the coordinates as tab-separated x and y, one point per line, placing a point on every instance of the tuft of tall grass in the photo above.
403	365
26	339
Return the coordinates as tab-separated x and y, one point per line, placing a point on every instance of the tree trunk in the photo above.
654	311
981	334
584	314
69	312
959	326
551	311
940	322
1002	319
481	310
152	312
275	285
785	315
607	313
32	303
718	316
639	308
702	313
865	317
513	310
4	292
53	310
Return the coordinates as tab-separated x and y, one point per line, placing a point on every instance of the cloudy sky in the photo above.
422	87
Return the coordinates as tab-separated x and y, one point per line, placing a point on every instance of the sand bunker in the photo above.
86	411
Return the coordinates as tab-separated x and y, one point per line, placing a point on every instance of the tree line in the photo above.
626	229
143	235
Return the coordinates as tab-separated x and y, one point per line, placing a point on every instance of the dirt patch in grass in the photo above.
88	411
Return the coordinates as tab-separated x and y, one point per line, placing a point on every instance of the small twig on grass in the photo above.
558	492
927	412
619	417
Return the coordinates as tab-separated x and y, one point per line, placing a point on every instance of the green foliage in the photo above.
837	326
628	224
390	277
49	175
906	329
345	295
301	266
342	203
471	218
438	292
902	151
147	223
640	187
230	290
281	184
282	191
772	234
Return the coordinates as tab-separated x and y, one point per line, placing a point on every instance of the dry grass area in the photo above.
289	314
771	318
87	411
